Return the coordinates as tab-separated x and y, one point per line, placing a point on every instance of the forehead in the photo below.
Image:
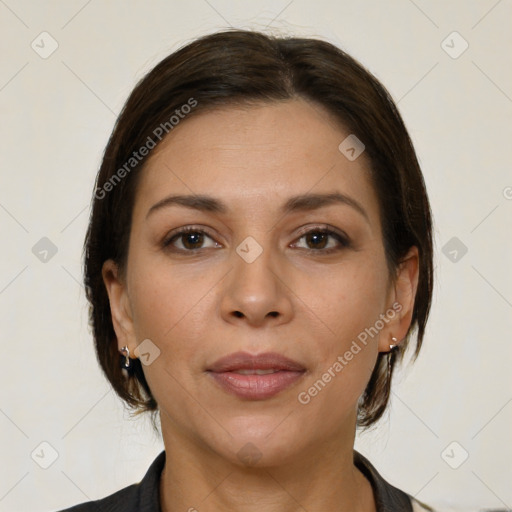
254	157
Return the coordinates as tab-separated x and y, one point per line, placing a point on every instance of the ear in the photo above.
401	301
119	306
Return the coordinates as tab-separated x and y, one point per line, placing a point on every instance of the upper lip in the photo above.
246	361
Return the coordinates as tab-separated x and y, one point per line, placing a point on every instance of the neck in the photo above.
322	478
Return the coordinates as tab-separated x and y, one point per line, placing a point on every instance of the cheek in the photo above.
165	297
347	300
169	309
348	304
173	307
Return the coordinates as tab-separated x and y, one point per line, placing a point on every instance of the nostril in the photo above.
239	314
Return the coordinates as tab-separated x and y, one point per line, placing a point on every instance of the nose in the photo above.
256	292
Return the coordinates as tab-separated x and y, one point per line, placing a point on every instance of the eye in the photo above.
318	238
191	239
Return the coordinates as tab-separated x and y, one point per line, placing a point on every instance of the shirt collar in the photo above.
387	497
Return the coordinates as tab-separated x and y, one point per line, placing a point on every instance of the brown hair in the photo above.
236	66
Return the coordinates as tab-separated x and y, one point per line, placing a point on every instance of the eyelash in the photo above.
341	238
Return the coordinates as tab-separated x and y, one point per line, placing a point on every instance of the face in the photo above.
298	282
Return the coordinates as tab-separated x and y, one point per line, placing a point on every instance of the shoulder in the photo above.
116	502
140	497
387	497
418	506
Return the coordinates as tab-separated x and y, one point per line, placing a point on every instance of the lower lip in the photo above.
256	387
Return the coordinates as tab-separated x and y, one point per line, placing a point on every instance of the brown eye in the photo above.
317	240
192	240
187	240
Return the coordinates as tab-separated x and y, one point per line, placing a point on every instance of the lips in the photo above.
245	361
255	377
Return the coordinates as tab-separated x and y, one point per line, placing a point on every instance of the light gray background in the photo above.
57	113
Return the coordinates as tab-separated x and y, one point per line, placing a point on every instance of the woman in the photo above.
258	258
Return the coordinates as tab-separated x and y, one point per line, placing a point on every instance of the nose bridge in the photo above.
254	269
255	290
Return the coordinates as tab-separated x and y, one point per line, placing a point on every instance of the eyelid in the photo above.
322	227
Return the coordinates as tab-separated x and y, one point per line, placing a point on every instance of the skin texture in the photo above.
307	305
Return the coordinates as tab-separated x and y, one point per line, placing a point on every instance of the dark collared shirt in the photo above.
145	496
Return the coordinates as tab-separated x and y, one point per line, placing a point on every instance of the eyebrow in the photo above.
302	202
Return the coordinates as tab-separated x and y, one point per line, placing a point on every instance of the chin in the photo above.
261	441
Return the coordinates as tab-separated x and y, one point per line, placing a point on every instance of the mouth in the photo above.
255	377
255	372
